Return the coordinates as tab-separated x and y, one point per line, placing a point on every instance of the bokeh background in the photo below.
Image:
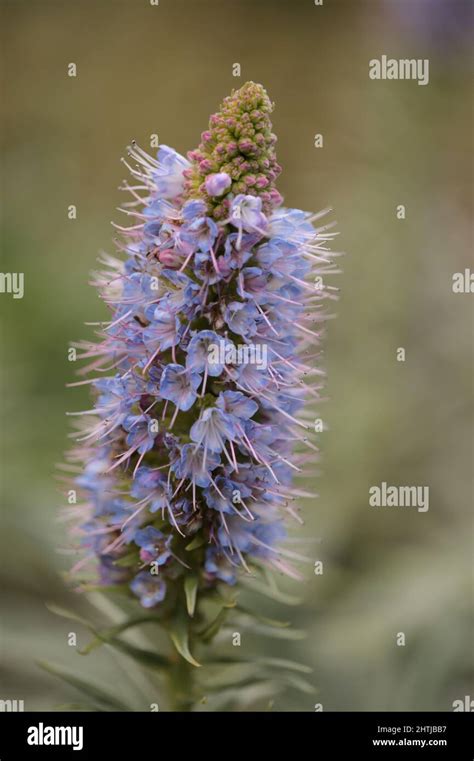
144	70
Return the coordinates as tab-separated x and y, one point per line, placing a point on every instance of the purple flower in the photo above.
246	214
196	465
179	386
206	353
214	269
155	546
212	429
237	404
168	176
163	331
150	487
192	210
226	495
141	432
218	566
204	233
240	316
150	589
217	184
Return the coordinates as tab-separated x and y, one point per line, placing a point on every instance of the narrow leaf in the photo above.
264	619
198	541
179	634
146	657
69	614
211	630
271	591
190	588
97	694
106	635
285	664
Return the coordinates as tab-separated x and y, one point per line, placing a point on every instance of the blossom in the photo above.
150	589
154	545
163	332
241	317
179	386
150	487
168	176
195	464
212	429
190	450
217	184
237	404
201	356
246	214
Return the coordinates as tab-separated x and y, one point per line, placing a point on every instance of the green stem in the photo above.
181	682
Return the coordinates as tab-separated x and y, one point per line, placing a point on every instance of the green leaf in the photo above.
69	614
130	558
271	591
285	664
210	631
179	633
298	683
243	697
218	676
105	636
270	631
190	589
264	619
198	541
121	590
99	697
147	658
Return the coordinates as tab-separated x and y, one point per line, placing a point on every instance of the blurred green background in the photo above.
143	70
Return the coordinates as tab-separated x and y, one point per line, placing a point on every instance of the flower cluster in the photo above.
188	464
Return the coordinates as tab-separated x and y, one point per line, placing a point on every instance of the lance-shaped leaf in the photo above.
179	633
100	698
197	542
147	658
190	589
104	636
210	631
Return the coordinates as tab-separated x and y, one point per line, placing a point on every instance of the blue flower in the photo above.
240	316
217	184
168	176
238	255
163	333
210	256
194	209
237	404
151	487
226	495
202	232
212	429
246	214
141	432
218	566
179	386
206	353
195	464
150	589
155	546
